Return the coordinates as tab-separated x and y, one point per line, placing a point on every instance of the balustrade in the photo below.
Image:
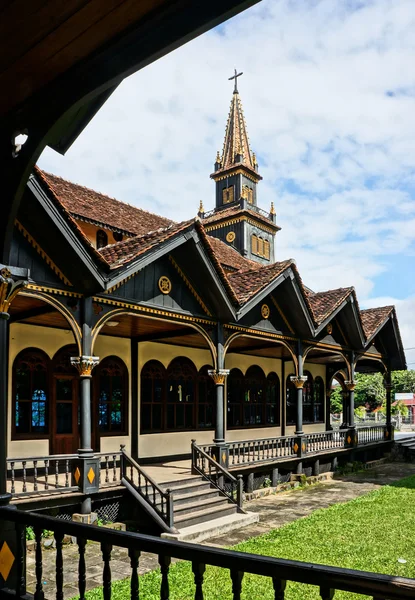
328	579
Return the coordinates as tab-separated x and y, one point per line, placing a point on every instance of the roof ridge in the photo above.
263	267
388	306
342	289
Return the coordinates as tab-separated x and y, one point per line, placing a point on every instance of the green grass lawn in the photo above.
369	533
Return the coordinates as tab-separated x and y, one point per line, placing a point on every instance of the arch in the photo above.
291	400
61	360
65	312
122	311
319	399
30	394
181	394
206	404
338	352
308	394
152	391
376	359
111	396
238	334
273	400
235	391
101	239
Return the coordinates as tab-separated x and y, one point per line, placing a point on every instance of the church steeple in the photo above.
245	226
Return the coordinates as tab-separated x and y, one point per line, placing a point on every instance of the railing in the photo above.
157	501
40	475
371	434
279	571
326	440
110	471
253	451
219	477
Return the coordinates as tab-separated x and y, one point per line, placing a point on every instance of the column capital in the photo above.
298	381
350	384
84	364
9	288
219	375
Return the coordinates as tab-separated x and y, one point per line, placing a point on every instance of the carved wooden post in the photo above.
299	381
220	450
388	387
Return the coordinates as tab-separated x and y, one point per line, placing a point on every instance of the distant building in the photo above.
409	400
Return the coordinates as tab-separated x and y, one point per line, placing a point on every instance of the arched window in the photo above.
291	400
255	393
266	249
111	381
308	398
153	385
318	400
227	195
102	239
254	244
272	409
235	398
31	393
206	399
181	394
118	236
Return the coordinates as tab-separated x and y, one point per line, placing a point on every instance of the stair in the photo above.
196	501
407	446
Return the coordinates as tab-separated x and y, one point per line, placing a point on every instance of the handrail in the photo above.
327	578
199	457
160	500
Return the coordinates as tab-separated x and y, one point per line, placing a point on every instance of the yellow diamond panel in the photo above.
91	475
77	474
349	439
6	561
295	447
303	447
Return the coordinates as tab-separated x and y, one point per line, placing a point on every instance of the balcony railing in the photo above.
237	564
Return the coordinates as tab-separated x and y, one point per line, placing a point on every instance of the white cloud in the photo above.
329	97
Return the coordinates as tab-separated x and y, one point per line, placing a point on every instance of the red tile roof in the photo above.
231	258
235	211
324	303
249	282
372	318
83	202
124	252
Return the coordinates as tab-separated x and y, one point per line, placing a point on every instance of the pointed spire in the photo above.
236	142
272	209
201	211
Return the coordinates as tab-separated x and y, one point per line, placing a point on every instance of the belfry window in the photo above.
260	247
111	379
227	195
248	194
102	239
31	393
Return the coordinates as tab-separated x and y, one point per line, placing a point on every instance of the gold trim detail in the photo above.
189	285
265	311
227	222
8	289
120	283
7	559
91	475
351	385
303	447
84	364
42	253
329	328
219	376
231	172
257	332
284	318
230	236
223	457
298	381
77	475
50	290
349	439
164	284
295	447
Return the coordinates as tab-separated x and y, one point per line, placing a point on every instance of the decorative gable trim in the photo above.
284	318
189	285
42	253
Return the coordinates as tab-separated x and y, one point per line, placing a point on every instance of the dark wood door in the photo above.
65	426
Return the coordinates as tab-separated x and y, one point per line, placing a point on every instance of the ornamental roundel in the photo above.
230	237
164	285
265	311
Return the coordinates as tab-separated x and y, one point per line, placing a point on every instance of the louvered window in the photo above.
254	244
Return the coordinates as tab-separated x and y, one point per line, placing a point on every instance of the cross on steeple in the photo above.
235	89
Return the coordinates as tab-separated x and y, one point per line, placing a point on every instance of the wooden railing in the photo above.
46	475
204	464
153	498
326	440
253	451
370	434
237	564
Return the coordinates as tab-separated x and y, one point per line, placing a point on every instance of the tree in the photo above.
403	381
336	400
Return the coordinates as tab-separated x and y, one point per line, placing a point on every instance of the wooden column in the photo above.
328	409
388	388
299	381
135	399
219	376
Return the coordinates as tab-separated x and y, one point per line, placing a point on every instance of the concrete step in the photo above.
205	514
213	528
199	505
195	497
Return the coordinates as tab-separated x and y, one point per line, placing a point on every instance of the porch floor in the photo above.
169	470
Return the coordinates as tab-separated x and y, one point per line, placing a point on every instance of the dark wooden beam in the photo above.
31	313
264	346
164	335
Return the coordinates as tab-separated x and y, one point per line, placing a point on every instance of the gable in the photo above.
27	253
165	285
268	316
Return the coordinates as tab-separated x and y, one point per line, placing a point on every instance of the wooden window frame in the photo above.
125	396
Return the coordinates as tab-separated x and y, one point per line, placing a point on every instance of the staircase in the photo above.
196	501
406	447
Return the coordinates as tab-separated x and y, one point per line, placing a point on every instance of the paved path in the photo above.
275	511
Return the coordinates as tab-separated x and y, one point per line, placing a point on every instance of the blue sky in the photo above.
329	98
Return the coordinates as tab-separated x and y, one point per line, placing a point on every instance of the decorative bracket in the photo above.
9	288
84	364
219	376
298	381
351	385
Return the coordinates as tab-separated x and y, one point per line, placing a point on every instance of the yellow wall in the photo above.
91	233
